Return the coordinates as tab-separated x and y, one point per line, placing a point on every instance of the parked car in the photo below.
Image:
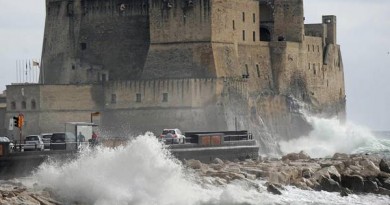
172	136
6	139
46	137
33	142
63	141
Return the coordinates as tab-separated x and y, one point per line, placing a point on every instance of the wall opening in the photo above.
13	106
254	35
254	17
243	16
234	25
138	97
243	35
265	35
33	105
165	97
258	70
113	98
24	105
83	46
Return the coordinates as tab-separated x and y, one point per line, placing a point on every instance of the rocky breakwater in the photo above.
342	173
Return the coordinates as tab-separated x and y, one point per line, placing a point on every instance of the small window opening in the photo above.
113	98
165	97
246	70
33	105
309	66
308	47
318	48
243	35
243	16
234	25
24	105
138	97
313	48
13	106
254	17
83	46
258	70
254	36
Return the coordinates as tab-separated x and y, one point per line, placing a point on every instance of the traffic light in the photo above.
16	121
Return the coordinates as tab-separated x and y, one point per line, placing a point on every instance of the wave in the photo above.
330	136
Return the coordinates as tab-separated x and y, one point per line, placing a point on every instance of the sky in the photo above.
363	33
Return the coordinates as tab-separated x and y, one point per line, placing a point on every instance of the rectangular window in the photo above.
113	98
243	35
254	17
83	46
246	70
258	70
243	16
138	97
165	97
309	66
308	47
234	25
254	35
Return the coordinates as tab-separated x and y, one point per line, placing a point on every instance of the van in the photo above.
63	141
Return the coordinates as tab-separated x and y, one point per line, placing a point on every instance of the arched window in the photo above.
13	105
33	105
24	105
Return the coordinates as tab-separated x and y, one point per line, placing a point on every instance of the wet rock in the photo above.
291	157
340	156
303	155
353	182
384	165
370	186
329	185
194	164
329	172
272	188
369	168
217	161
386	183
307	173
256	172
345	192
383	191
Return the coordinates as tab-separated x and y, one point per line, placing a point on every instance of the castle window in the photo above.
314	69
313	48
309	66
254	35
254	17
243	16
318	48
33	105
165	97
243	35
258	70
138	97
308	47
24	105
113	98
13	106
246	70
234	25
327	83
83	46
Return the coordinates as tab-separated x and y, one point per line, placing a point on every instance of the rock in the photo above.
345	192
383	191
369	168
303	155
291	157
384	165
194	164
307	173
340	156
272	188
217	161
329	185
256	172
353	182
329	172
386	183
370	186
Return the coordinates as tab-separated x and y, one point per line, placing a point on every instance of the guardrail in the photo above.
52	146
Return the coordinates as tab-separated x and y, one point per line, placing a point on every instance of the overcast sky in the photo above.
363	33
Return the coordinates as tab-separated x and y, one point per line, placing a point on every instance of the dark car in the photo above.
46	137
63	141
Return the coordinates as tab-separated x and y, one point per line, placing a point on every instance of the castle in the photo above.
192	64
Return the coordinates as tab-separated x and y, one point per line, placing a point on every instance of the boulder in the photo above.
340	156
272	188
384	165
369	168
370	186
303	155
383	191
217	161
329	172
329	185
307	173
257	172
386	183
353	182
291	157
345	192
194	164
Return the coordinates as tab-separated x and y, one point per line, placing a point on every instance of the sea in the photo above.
144	173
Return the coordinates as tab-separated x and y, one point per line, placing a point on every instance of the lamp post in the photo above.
94	114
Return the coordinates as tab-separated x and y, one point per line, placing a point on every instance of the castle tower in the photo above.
288	18
87	41
331	24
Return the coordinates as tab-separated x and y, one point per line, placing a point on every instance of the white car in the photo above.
172	136
34	142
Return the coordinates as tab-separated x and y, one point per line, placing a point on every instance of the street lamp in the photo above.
94	114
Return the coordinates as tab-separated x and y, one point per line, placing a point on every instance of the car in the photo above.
6	139
46	137
33	142
63	141
172	136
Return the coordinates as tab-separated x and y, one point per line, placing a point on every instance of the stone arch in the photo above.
265	34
